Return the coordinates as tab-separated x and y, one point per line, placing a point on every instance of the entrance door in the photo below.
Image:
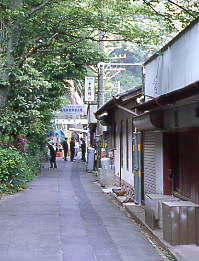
181	164
170	155
188	165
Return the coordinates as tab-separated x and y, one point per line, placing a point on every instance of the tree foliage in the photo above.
61	37
43	43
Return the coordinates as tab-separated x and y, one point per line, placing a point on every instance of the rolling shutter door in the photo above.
149	162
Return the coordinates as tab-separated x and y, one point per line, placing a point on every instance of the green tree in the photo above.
66	28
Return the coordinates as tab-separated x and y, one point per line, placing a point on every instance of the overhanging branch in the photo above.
181	7
61	48
35	9
35	48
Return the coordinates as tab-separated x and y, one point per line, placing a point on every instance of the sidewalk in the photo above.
181	252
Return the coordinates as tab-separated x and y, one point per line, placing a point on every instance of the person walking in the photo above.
52	155
76	147
65	147
72	149
83	148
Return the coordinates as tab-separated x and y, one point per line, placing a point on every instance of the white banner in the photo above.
89	89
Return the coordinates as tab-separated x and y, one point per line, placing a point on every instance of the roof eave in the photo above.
119	99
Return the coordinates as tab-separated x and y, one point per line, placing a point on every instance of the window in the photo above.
121	144
127	144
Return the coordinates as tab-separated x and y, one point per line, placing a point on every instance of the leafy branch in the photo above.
35	48
165	16
181	7
35	9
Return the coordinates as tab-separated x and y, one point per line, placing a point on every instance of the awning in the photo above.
149	121
119	99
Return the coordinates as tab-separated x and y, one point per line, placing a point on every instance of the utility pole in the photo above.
100	98
100	85
101	73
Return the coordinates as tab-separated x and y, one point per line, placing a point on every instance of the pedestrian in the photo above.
83	148
72	149
76	147
65	147
52	155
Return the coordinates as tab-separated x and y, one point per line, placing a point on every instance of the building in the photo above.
118	139
169	118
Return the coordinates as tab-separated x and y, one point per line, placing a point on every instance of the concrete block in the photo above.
106	177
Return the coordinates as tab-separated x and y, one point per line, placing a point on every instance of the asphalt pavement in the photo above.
65	216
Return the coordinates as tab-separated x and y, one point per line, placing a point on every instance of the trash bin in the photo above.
91	159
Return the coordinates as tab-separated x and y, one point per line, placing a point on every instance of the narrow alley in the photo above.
65	216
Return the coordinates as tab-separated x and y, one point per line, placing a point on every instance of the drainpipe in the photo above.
137	167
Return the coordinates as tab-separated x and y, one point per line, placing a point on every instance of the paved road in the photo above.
64	216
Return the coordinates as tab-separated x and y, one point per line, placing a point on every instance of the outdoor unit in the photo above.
180	222
153	209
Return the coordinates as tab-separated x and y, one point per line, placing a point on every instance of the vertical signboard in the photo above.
89	89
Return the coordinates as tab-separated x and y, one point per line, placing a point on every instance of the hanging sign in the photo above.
72	111
89	89
76	109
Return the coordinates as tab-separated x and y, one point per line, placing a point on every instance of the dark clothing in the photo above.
83	147
52	157
72	150
65	147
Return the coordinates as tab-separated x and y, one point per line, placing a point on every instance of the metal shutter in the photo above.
149	162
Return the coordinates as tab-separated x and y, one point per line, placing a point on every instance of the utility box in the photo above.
180	222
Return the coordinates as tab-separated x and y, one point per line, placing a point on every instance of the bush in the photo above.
15	170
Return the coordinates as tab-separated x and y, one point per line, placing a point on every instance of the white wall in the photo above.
127	175
177	67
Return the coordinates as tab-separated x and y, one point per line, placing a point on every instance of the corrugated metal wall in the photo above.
149	162
176	67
